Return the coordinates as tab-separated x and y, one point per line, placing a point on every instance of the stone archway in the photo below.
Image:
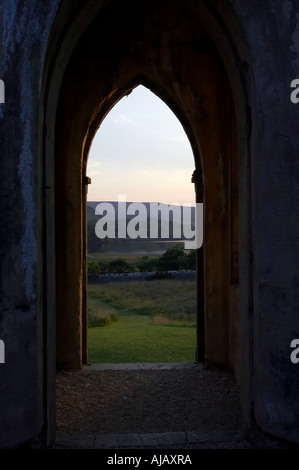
167	49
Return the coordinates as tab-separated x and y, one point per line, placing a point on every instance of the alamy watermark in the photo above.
2	352
2	92
295	93
294	356
150	220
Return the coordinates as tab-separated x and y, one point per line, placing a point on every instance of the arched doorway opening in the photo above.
141	285
212	145
184	67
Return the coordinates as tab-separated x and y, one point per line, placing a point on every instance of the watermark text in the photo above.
2	92
150	221
156	460
295	93
295	353
2	352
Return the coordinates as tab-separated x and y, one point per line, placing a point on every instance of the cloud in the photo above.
123	118
150	130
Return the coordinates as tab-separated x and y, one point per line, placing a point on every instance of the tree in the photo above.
191	259
119	265
173	259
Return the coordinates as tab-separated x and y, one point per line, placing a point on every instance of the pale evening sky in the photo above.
141	151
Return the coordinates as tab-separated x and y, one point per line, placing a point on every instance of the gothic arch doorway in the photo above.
142	148
106	50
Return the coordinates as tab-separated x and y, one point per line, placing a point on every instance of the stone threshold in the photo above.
150	441
142	366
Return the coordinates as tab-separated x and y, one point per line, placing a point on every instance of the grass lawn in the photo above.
145	321
135	339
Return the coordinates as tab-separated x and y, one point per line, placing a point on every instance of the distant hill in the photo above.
144	245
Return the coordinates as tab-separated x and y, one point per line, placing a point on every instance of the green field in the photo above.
142	321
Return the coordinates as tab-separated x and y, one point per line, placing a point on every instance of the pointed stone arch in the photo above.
198	183
95	55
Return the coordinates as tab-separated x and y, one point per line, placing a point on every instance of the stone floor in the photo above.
211	387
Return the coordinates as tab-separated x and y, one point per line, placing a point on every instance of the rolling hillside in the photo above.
129	245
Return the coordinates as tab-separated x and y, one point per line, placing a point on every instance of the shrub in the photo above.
104	267
101	319
147	265
119	265
93	267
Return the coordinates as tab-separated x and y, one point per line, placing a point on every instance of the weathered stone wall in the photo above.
271	30
24	31
259	47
